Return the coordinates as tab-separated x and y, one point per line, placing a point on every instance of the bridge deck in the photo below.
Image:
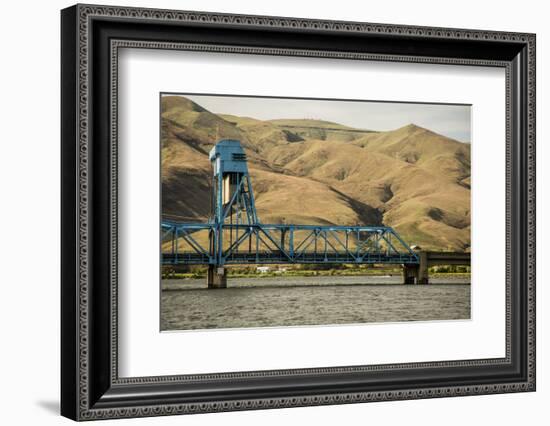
448	258
193	258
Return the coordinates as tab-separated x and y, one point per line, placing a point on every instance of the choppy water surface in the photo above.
285	301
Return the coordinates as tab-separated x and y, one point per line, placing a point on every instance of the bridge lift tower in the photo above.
235	234
232	201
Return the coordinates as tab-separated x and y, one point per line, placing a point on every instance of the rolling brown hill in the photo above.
318	172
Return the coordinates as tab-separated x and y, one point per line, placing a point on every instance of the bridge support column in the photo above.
417	274
410	274
423	268
216	277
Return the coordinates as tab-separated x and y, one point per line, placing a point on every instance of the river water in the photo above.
290	301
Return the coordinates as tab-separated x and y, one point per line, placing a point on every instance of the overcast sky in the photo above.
449	120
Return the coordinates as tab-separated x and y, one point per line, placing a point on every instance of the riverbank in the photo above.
307	273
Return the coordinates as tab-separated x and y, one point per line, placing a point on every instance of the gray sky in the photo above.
449	120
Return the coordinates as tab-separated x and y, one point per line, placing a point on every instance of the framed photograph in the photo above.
263	212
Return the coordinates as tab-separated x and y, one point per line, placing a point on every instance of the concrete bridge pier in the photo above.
216	277
417	274
410	273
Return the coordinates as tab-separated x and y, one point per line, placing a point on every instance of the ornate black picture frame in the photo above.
91	36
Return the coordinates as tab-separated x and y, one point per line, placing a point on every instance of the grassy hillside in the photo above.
318	172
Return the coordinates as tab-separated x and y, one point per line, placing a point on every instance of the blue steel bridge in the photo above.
234	234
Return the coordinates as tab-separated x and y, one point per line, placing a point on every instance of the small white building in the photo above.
263	269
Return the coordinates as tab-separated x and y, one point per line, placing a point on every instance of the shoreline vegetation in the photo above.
313	271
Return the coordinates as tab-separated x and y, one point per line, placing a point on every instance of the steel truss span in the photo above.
268	244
